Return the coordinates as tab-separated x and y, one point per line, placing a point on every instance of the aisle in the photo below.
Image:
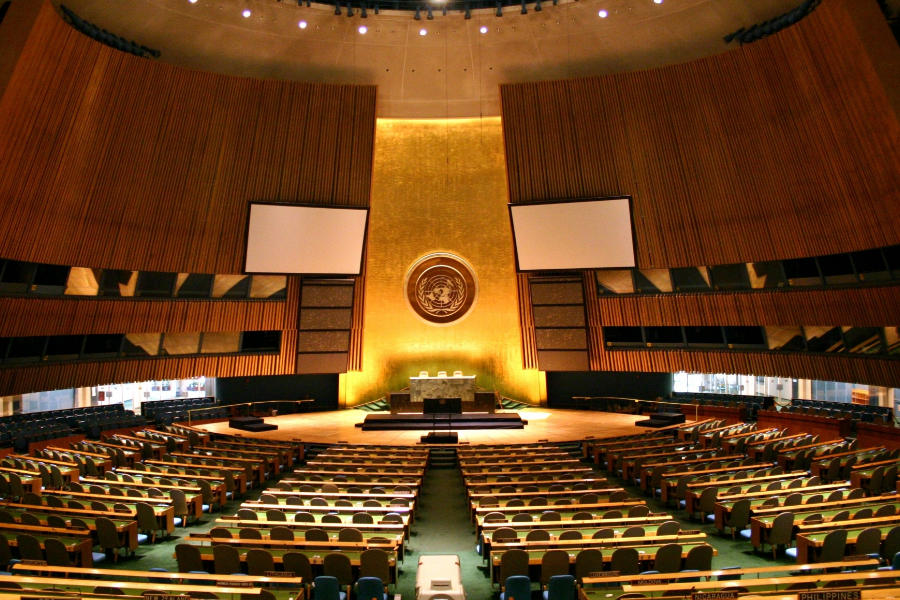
443	526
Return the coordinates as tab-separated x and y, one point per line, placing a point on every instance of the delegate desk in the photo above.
316	557
761	524
165	515
809	542
126	528
646	553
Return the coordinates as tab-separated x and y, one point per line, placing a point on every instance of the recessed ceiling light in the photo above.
657	1
602	14
246	14
193	1
362	29
423	31
483	29
302	24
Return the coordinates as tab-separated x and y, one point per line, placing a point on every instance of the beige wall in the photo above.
439	186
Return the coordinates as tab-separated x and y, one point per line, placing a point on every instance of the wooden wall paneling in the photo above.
854	369
355	356
828	428
119	162
870	434
861	307
783	148
594	319
526	320
64	316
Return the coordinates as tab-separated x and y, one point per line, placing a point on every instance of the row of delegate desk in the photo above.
348	500
532	501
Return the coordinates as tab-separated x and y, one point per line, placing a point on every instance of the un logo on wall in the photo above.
440	288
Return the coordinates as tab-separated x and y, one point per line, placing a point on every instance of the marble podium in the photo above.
455	386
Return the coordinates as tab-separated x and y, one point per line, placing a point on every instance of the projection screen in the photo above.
583	234
288	238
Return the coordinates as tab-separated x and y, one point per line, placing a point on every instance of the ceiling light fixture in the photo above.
246	14
602	14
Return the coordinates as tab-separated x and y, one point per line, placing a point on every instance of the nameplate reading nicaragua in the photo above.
846	595
724	595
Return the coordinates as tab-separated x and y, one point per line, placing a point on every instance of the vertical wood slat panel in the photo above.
526	322
787	147
119	162
869	307
33	316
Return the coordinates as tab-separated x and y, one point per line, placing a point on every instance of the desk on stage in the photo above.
457	386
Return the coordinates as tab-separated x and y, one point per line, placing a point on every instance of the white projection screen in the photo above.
584	234
288	238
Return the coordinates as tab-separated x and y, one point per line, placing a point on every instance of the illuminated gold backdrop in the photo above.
440	186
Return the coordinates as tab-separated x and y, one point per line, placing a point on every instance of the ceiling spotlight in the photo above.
524	9
499	12
423	31
302	24
418	15
602	14
537	6
362	30
428	14
657	1
483	29
364	14
246	14
193	1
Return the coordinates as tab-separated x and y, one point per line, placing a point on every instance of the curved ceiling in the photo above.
453	70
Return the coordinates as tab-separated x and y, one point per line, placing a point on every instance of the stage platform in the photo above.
440	422
543	423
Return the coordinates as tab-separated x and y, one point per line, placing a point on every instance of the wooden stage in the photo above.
543	424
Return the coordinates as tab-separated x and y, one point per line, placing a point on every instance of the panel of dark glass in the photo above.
16	277
863	340
830	341
870	265
196	285
103	344
129	349
802	271
745	336
261	341
111	280
837	269
240	290
642	284
704	335
52	275
623	335
59	346
663	335
892	255
26	348
689	279
154	284
729	277
771	273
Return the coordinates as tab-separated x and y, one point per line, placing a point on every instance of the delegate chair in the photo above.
516	587
560	587
370	588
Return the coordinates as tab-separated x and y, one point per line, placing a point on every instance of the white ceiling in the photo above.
454	70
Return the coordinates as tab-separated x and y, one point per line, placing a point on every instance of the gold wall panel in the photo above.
440	186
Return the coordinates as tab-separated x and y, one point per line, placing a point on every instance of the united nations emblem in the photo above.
440	288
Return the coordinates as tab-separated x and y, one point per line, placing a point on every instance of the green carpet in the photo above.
443	526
